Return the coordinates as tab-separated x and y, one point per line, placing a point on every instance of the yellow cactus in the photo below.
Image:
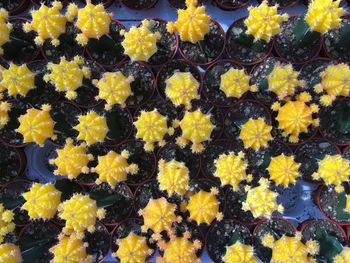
132	249
10	253
158	216
255	134
80	213
173	177
264	22
114	168
283	81
235	82
261	201
196	127
291	249
204	207
70	250
37	125
231	169
92	128
17	80
343	257
114	88
334	82
179	250
283	170
42	201
192	23
181	88
324	15
92	20
140	43
295	117
347	207
6	224
239	253
5	28
152	127
333	170
4	113
48	23
67	76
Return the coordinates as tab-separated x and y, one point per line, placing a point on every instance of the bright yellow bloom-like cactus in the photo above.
239	253
231	169
140	43
291	249
235	82
196	127
181	88
173	177
93	21
158	216
114	88
335	81
152	127
283	170
192	23
37	125
179	250
92	128
255	134
6	224
70	250
48	23
347	206
17	80
333	170
133	249
10	253
343	257
5	28
204	207
80	213
4	113
324	15
42	201
114	168
264	22
295	117
67	76
261	201
283	81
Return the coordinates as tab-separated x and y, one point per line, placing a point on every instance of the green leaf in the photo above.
267	160
329	244
33	251
264	84
104	199
234	238
344	40
342	215
245	40
303	34
343	119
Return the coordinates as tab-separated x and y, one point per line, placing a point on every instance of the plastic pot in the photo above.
38	2
228	7
19	9
150	4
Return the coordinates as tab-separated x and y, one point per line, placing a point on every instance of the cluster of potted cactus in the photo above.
143	151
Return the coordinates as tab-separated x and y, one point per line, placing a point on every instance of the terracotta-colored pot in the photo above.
230	8
274	217
200	2
22	163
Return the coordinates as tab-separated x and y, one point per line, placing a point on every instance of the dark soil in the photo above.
310	154
108	50
282	3
144	160
21	48
147	191
98	242
231	4
68	47
51	154
331	43
13	6
106	3
143	85
240	114
48	2
10	163
206	50
243	53
286	47
180	4
139	4
212	81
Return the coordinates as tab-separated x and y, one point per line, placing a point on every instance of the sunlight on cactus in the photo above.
71	160
181	88
67	76
343	257
5	29
10	253
37	125
48	23
333	170
6	223
140	43
255	134
42	201
283	170
231	169
192	23
239	253
5	107
114	168
17	80
347	206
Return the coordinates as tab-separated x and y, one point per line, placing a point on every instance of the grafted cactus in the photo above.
343	257
4	113
255	134
10	253
6	223
5	28
283	170
239	253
